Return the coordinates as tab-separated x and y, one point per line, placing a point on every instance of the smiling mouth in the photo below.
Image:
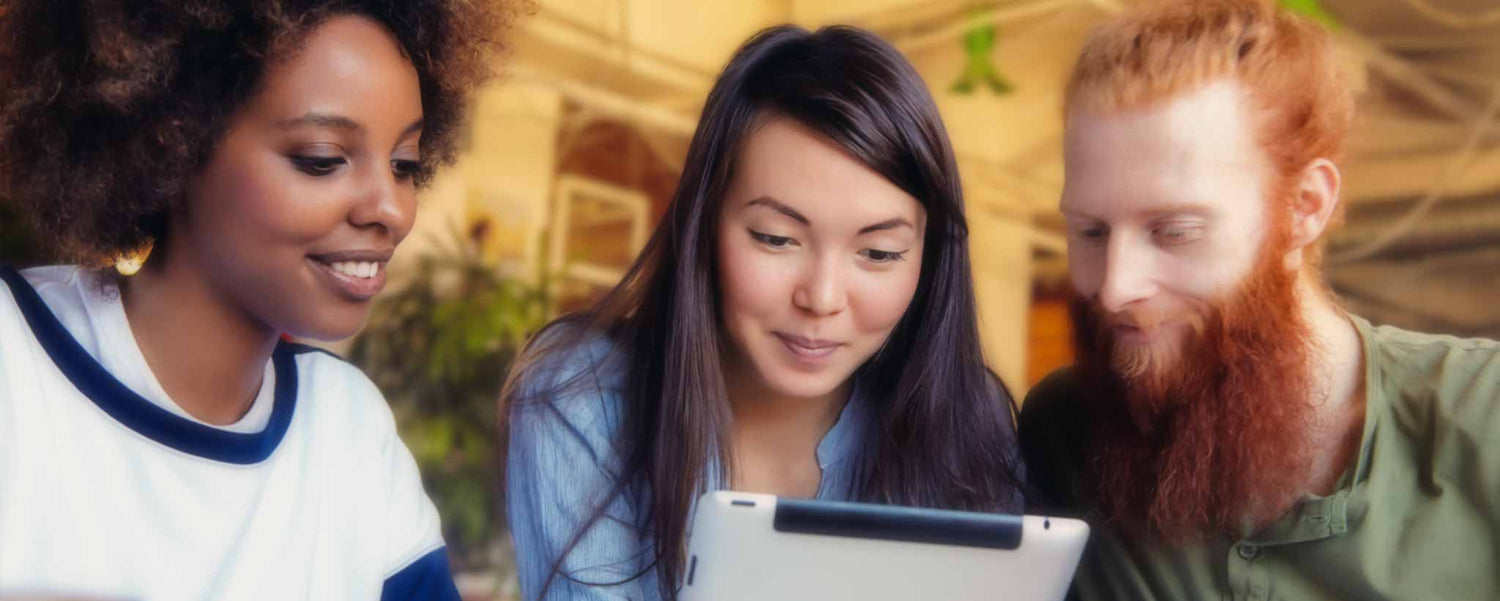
808	349
354	275
1135	334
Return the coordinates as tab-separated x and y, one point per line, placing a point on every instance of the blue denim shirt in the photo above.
561	463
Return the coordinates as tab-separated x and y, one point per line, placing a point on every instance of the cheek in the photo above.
258	202
1085	271
880	300
754	285
252	225
1208	275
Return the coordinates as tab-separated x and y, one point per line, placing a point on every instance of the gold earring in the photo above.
128	263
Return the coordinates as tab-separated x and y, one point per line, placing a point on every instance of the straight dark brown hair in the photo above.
944	433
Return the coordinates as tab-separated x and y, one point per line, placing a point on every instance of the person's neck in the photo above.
759	410
208	354
1338	394
776	436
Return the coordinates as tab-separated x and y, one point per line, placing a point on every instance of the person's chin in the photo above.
332	324
801	384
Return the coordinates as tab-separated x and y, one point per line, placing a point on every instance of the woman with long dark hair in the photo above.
801	323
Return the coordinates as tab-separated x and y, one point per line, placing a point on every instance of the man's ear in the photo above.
1316	198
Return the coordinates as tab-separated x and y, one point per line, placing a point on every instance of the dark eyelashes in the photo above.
324	166
317	166
771	241
886	256
405	169
873	255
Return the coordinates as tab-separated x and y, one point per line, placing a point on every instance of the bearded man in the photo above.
1228	429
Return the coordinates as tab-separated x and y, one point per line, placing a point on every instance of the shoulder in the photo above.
60	288
572	384
567	349
1439	359
9	301
335	395
1058	388
1051	406
347	421
63	276
1052	432
321	367
56	303
1436	377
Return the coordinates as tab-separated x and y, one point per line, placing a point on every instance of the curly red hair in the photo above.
1303	106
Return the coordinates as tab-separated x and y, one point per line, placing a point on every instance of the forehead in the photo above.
349	65
787	161
1198	149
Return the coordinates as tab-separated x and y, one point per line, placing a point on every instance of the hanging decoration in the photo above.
979	69
1313	9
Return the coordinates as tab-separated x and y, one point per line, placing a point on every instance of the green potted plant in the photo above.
439	347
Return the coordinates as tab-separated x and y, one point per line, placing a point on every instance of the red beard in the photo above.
1214	439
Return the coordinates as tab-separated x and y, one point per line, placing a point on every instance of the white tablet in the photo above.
748	547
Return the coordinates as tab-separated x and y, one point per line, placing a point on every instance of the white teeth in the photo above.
356	269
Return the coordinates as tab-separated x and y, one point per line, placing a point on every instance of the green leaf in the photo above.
1313	9
979	68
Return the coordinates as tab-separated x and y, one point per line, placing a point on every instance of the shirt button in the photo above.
1248	552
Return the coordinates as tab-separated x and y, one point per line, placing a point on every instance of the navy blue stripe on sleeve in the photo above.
426	579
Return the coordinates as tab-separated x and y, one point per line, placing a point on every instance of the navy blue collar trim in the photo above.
141	415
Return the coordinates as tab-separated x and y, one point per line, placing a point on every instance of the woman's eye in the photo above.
405	169
318	166
883	256
772	241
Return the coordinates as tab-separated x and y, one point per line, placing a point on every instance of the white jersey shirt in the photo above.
108	489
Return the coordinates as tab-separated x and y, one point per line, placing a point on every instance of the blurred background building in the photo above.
573	155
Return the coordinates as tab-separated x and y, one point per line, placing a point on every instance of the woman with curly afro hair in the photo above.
159	438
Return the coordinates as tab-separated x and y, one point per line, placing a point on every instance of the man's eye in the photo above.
1173	235
1091	235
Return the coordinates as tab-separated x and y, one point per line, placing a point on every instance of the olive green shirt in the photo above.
1417	515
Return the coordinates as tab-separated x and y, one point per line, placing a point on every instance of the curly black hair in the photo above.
108	107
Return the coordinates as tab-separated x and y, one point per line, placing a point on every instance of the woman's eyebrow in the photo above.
322	120
779	207
888	224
